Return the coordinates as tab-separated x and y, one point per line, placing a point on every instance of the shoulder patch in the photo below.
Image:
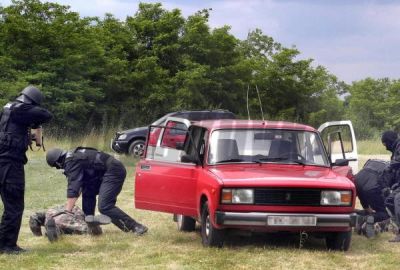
69	154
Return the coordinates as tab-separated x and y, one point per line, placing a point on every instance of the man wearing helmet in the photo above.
16	119
90	172
391	177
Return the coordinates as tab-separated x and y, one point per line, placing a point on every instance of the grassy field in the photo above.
166	248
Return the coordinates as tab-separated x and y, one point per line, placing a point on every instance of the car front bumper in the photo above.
121	147
260	219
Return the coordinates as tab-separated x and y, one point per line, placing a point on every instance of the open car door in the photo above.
340	142
163	182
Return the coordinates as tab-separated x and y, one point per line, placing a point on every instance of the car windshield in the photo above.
161	120
266	145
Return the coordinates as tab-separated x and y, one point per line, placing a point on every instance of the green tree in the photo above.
57	50
290	88
101	72
373	105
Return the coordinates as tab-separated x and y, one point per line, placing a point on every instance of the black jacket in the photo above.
392	172
16	119
84	169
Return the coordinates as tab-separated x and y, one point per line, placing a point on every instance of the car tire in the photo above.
211	236
185	223
338	241
136	148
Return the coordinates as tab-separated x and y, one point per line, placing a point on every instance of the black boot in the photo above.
35	226
369	227
52	232
139	229
94	230
12	250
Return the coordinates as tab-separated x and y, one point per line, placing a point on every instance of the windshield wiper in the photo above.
230	160
272	159
298	161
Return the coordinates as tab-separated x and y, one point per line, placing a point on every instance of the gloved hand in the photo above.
386	192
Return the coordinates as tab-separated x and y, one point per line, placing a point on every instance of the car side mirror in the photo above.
189	159
341	162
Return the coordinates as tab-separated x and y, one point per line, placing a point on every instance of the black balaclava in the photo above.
389	138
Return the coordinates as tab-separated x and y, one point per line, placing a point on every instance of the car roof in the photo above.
253	124
194	111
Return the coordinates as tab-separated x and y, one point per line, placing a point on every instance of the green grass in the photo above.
371	148
166	248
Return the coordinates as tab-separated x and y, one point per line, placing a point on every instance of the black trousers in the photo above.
89	203
393	203
110	188
373	198
12	189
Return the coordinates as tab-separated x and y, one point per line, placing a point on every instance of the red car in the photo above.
250	175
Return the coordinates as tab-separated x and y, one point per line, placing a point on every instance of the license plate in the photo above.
291	221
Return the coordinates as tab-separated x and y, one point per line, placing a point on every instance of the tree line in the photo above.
108	73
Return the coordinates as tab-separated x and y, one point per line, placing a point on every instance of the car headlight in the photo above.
333	197
122	137
237	196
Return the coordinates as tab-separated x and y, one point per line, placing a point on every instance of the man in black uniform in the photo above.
92	173
392	177
369	186
16	120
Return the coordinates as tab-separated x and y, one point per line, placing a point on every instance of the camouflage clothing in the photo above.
66	222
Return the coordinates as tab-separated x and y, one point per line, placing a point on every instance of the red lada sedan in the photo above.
250	175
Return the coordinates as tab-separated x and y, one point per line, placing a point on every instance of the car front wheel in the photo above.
136	148
338	240
185	224
211	236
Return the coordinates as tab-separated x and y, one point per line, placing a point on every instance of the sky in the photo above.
352	39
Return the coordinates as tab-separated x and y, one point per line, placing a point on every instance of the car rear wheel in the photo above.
211	236
185	224
338	240
136	148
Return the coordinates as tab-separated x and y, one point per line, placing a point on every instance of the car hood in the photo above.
138	129
268	175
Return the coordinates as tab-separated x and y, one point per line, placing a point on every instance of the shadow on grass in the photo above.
239	239
274	240
235	239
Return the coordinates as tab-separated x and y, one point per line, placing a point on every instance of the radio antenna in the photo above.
259	100
247	101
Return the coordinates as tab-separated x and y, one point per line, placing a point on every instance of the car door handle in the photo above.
145	167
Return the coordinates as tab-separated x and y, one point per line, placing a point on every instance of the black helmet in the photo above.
32	93
388	138
53	157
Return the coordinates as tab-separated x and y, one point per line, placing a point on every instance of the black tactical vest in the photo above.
89	158
14	138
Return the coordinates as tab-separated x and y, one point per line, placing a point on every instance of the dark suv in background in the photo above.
132	141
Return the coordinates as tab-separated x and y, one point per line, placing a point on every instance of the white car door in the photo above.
340	141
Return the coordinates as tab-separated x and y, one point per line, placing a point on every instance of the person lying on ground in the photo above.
57	221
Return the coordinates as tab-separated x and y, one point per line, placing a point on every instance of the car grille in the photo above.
287	196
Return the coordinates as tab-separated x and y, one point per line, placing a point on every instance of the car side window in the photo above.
345	133
196	147
170	148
